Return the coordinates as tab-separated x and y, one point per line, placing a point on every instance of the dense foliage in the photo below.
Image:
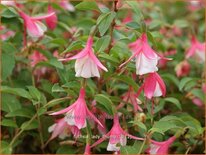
125	69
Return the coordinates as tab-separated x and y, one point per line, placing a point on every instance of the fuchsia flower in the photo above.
67	5
77	113
198	102
34	27
131	97
8	2
52	20
160	148
182	69
197	49
116	136
87	64
36	57
61	129
153	86
146	57
6	33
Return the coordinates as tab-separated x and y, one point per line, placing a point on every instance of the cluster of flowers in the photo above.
87	65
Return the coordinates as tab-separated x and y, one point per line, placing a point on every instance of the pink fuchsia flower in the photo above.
67	5
36	57
131	97
52	20
197	49
34	27
153	86
182	69
77	113
87	150
160	148
61	129
198	102
116	136
146	57
6	33
8	2
87	64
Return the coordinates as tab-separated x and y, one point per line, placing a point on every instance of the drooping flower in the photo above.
52	20
116	136
198	102
87	64
131	97
197	49
36	57
62	129
160	148
153	86
182	69
34	26
77	113
67	5
8	2
146	57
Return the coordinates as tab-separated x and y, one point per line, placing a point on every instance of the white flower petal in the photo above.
112	147
51	128
200	55
145	65
123	140
69	118
153	149
158	91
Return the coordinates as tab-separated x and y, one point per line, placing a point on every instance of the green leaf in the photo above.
23	112
104	21
87	6
66	150
162	126
30	125
181	23
5	148
34	92
105	102
55	63
57	88
76	45
135	7
171	78
102	43
56	101
109	58
58	41
9	12
9	105
174	101
16	91
9	123
183	82
140	124
8	64
127	80
198	93
41	111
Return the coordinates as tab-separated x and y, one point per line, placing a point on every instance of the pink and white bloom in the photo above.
197	49
87	64
8	2
153	86
67	5
52	20
131	97
36	57
116	136
34	26
146	57
160	148
77	113
62	129
182	69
